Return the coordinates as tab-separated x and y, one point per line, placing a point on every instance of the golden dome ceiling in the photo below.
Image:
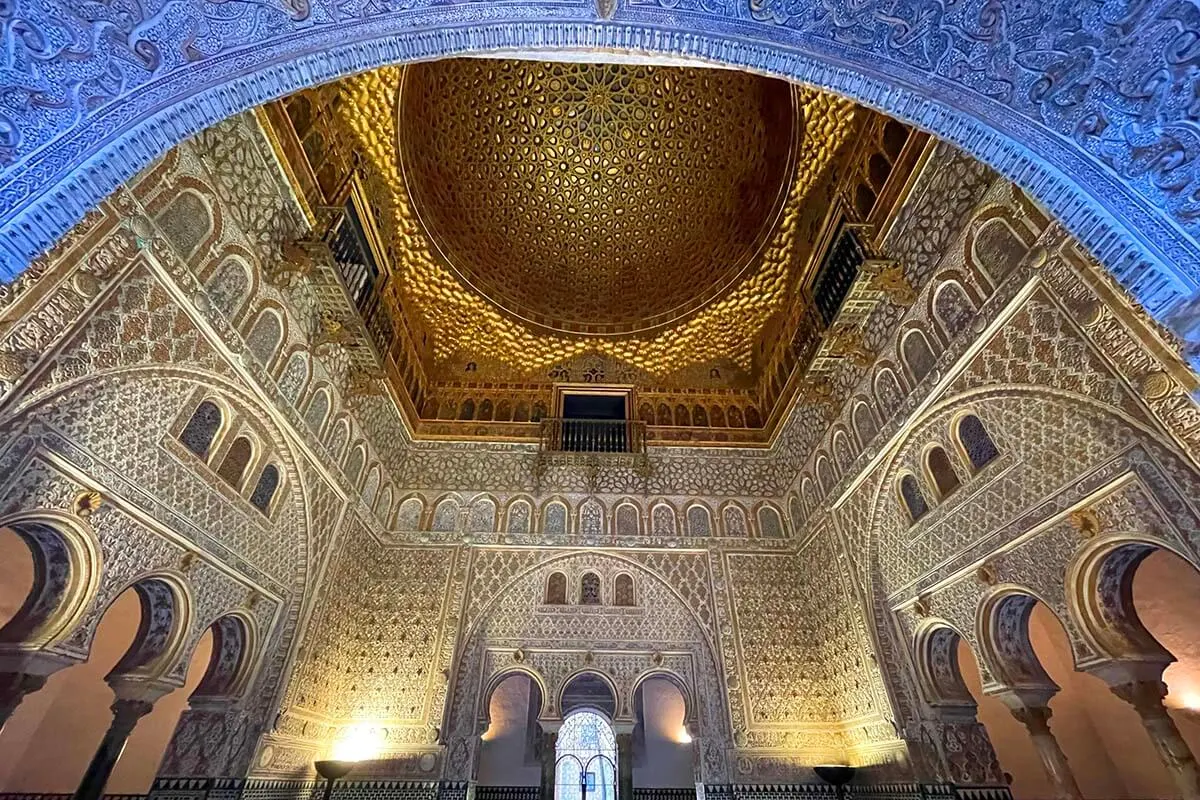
467	323
590	198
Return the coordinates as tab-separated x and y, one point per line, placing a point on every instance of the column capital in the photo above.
126	713
1145	696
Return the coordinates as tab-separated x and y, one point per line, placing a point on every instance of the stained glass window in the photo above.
585	759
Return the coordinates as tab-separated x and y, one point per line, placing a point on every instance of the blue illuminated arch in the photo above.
1088	106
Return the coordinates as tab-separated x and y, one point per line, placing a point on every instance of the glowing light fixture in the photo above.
684	737
357	743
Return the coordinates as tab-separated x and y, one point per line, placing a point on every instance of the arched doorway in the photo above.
1119	175
585	758
510	749
663	750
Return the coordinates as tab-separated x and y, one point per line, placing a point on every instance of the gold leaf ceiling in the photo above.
595	198
494	298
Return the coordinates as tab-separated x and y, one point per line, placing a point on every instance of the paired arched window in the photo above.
941	471
589	589
913	498
233	466
976	442
264	490
202	428
556	589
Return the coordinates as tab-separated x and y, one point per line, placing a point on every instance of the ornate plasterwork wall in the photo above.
401	620
1117	163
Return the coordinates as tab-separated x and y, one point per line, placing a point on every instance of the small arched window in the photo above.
318	409
264	338
628	520
623	591
953	308
662	520
519	514
202	428
445	516
233	466
941	471
409	516
976	442
293	377
918	355
770	526
734	521
589	589
556	589
864	424
354	464
554	518
699	523
914	500
264	490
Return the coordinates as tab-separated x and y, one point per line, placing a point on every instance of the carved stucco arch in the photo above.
463	698
1099	582
143	661
1121	174
493	683
1005	646
620	698
67	565
227	687
231	397
934	645
690	711
879	489
969	402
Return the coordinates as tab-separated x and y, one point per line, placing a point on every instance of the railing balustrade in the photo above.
559	435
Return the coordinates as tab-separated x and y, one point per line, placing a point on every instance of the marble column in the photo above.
1034	714
624	761
13	688
126	714
1146	697
549	751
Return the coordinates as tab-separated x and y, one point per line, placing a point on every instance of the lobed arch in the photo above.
691	714
1125	186
1099	585
935	645
236	648
1005	647
167	609
493	682
619	700
67	564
